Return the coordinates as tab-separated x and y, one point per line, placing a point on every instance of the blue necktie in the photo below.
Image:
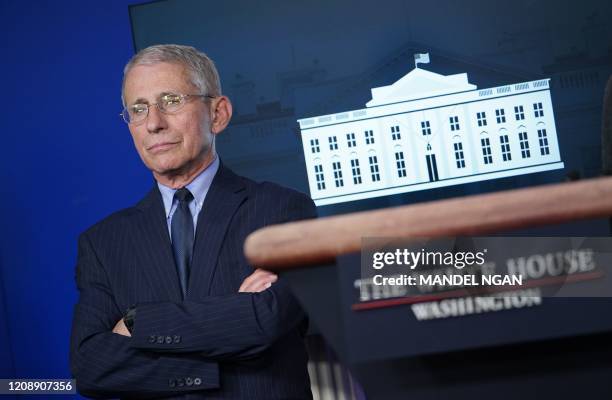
182	236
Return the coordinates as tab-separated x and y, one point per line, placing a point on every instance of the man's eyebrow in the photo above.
139	100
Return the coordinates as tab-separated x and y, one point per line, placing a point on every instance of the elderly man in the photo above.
168	305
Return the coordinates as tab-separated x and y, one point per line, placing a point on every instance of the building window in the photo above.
538	111
314	145
425	128
500	114
519	113
337	174
454	123
459	157
369	137
333	143
486	150
319	176
525	153
481	117
543	139
400	163
350	138
374	168
505	148
356	171
395	132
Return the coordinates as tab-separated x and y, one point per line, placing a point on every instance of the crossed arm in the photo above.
107	362
258	281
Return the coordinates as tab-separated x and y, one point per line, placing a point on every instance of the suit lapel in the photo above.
225	195
154	248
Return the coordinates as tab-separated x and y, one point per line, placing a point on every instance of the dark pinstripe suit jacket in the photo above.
215	344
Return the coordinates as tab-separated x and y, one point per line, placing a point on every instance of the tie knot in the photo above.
183	195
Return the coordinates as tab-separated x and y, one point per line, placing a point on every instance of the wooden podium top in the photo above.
308	242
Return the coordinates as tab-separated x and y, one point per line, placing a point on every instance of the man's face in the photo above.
169	144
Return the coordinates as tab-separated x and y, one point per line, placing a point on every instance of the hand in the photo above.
258	281
121	329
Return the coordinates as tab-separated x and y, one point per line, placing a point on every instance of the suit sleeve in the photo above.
230	327
104	364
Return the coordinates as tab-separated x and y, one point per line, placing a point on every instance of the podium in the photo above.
558	348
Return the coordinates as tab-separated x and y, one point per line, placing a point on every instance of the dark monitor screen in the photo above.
401	102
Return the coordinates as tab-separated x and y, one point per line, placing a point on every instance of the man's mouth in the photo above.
163	146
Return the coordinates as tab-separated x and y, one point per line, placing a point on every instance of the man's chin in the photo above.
174	170
167	169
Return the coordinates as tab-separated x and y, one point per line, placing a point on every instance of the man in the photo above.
168	305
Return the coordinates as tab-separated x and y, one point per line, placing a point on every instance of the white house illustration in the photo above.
426	131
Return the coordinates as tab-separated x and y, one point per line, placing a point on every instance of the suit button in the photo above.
172	383
197	381
160	340
152	339
168	339
189	381
180	382
177	339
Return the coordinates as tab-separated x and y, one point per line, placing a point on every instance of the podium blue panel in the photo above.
560	347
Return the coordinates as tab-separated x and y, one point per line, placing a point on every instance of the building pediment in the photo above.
418	84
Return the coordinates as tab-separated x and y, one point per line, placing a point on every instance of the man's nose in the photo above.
156	120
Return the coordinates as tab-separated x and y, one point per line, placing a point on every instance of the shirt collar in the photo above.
198	187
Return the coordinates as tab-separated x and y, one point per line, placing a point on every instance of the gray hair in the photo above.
203	72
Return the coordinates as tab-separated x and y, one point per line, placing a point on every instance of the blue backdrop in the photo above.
63	149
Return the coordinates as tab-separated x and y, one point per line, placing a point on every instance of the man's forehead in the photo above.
151	81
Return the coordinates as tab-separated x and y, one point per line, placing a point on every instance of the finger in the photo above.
259	283
255	277
257	286
121	329
265	283
117	326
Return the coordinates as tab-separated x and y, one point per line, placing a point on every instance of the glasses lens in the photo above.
171	102
137	112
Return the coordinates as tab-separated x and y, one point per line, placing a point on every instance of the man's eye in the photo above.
171	100
139	109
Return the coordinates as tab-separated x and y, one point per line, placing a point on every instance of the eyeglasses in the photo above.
170	103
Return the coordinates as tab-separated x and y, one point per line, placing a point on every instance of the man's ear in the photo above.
221	110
